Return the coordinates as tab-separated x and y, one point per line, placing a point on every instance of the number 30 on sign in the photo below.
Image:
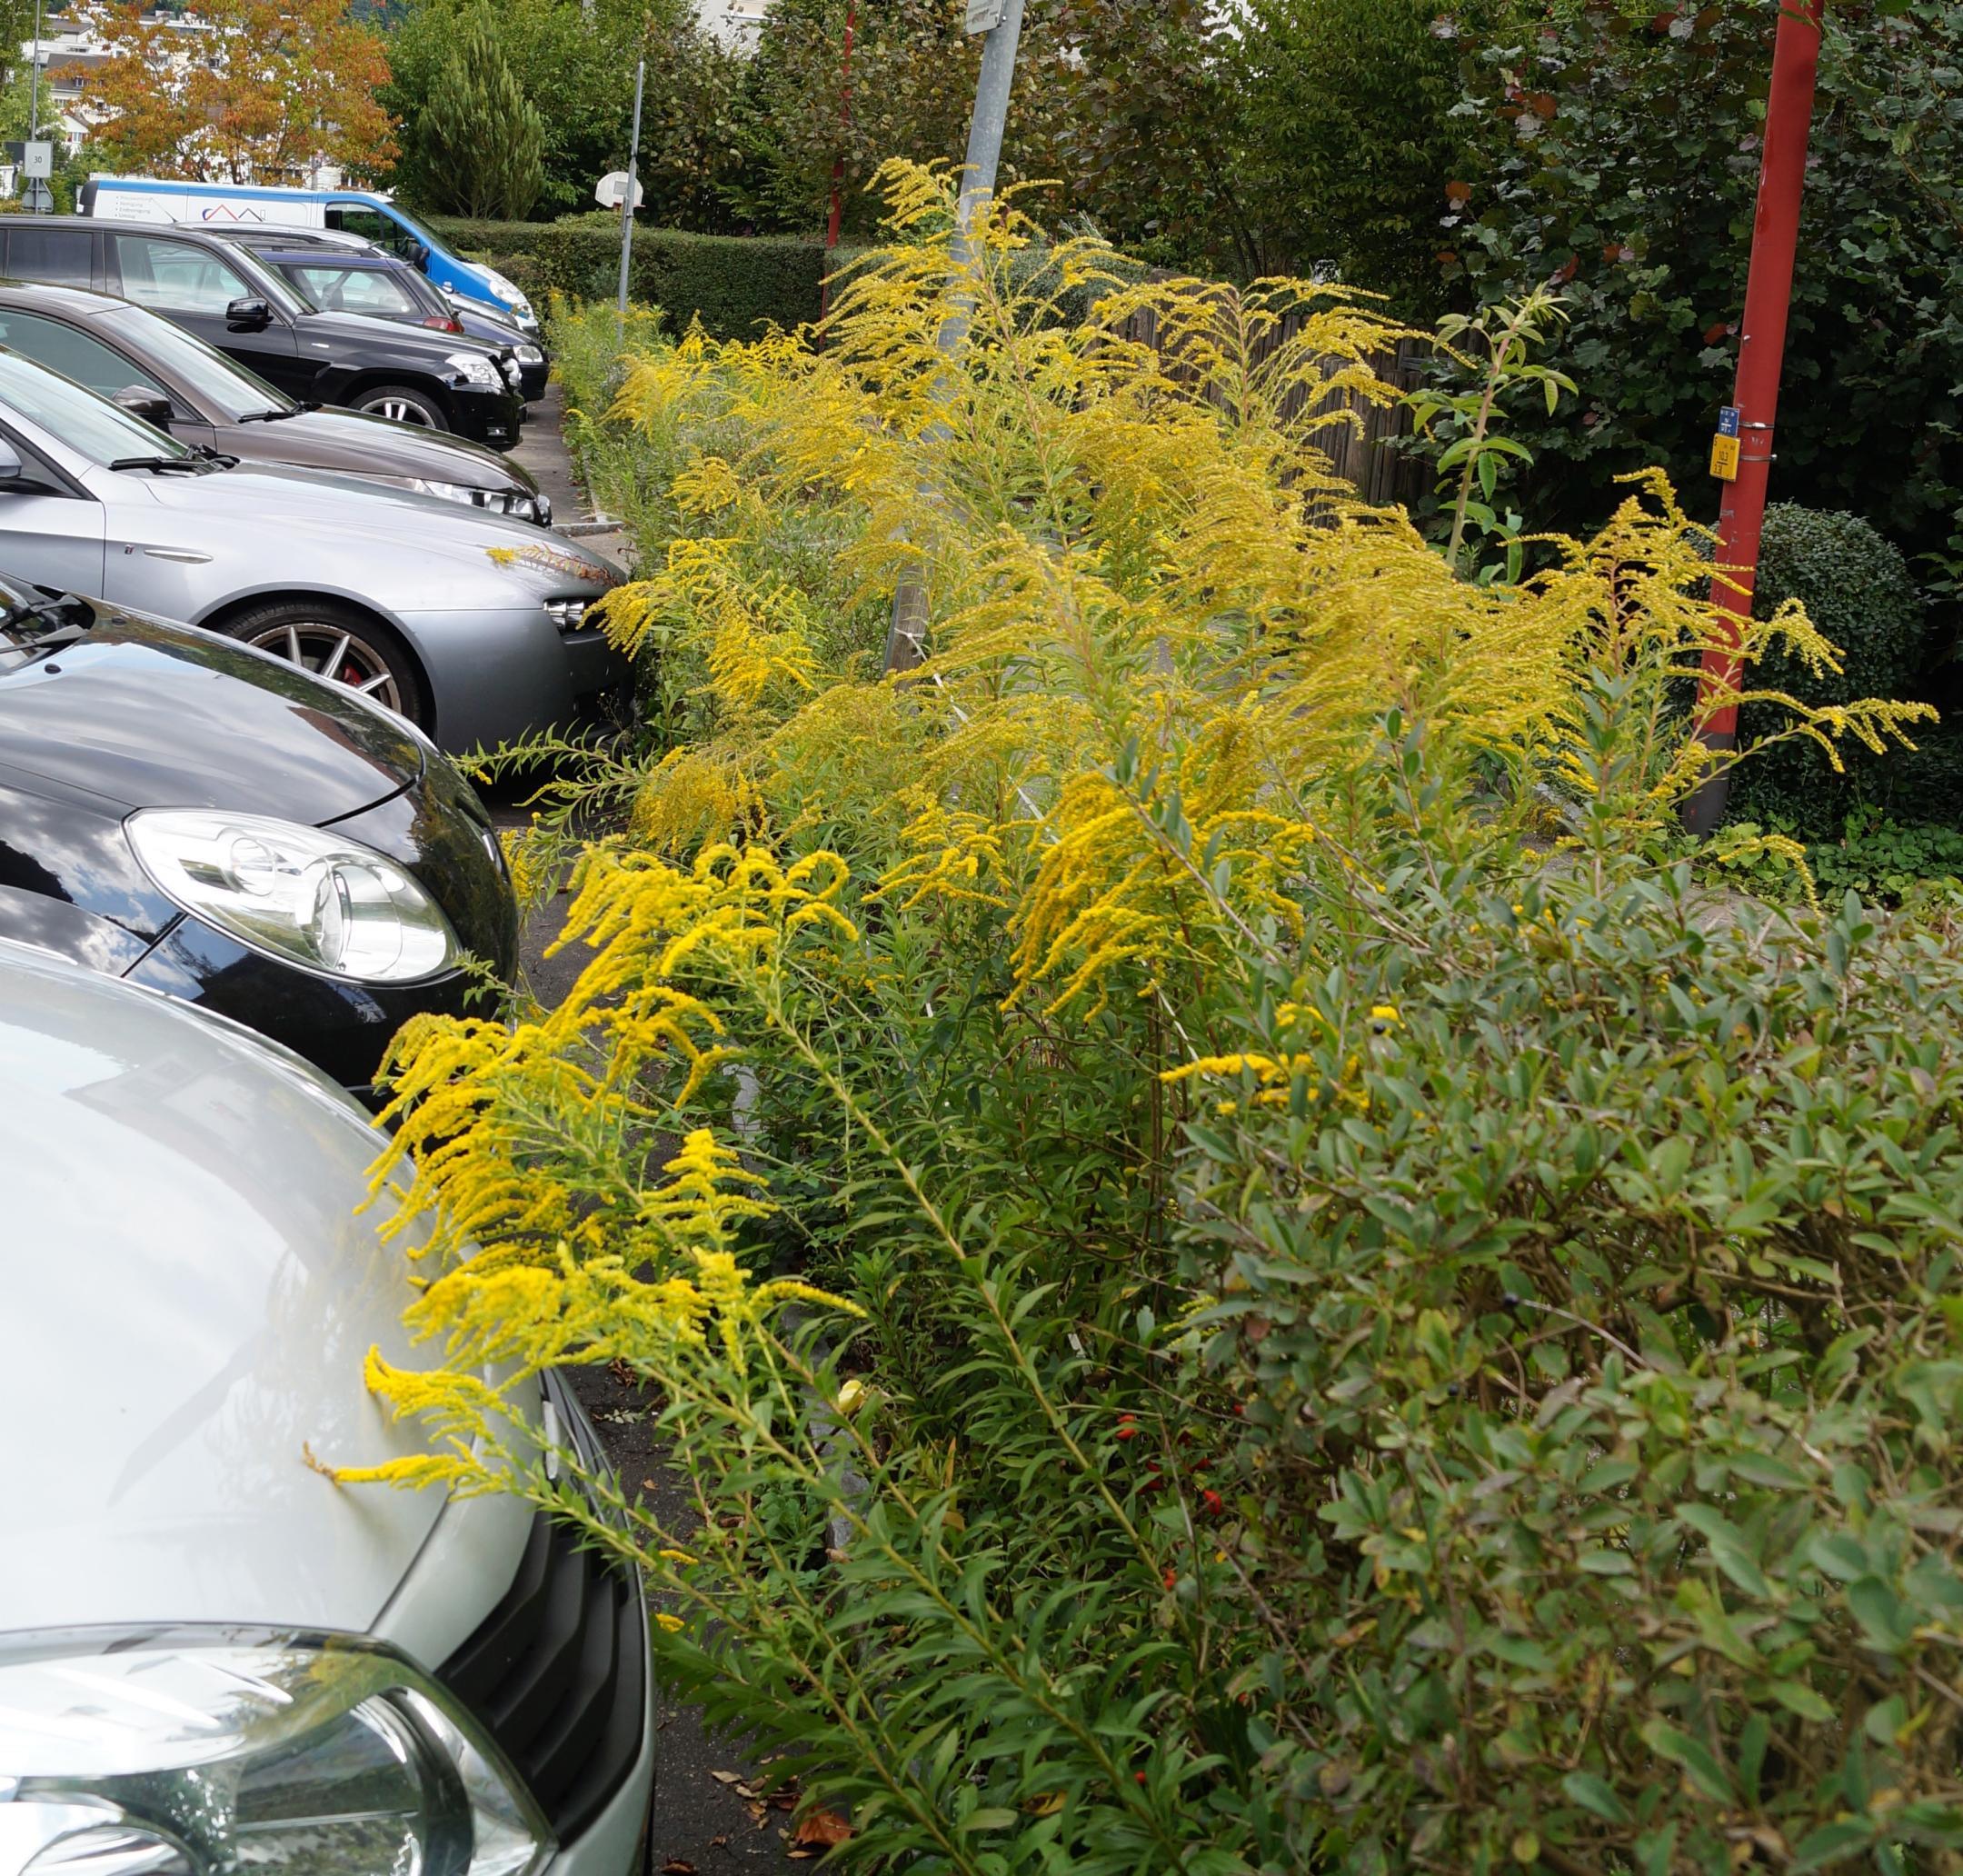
1724	447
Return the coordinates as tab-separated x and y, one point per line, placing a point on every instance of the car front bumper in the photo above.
493	1539
496	677
486	415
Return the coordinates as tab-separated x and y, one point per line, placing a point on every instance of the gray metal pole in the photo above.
627	205
906	637
33	82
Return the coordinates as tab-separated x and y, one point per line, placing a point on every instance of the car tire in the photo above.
401	405
337	642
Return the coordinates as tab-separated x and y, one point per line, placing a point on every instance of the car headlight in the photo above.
474	369
190	1752
498	501
304	895
531	354
509	367
522	503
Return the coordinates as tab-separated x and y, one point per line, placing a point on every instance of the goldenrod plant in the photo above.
1239	1275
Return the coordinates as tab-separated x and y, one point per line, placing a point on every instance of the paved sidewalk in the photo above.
542	450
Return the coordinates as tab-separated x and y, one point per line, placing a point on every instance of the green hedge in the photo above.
1857	588
736	284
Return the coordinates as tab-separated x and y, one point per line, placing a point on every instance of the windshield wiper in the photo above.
190	465
216	458
277	416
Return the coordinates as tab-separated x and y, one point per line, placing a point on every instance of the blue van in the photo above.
350	211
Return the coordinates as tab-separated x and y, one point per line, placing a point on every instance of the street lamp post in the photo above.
627	200
33	82
906	634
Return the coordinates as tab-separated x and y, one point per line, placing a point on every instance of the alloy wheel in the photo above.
400	410
340	656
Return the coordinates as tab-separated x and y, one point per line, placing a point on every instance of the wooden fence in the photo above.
1361	452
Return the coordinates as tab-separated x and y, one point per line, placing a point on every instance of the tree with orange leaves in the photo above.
241	90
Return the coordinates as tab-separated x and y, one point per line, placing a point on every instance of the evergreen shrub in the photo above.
1857	589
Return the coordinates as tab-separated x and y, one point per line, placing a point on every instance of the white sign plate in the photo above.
37	159
985	15
611	187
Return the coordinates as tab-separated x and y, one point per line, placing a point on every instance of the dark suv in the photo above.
346	273
248	312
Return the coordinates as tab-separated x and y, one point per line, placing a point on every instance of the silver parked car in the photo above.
212	1659
472	625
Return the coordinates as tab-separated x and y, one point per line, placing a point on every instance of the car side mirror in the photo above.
248	315
140	401
417	255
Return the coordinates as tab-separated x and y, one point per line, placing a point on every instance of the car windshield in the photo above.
229	389
340	287
90	426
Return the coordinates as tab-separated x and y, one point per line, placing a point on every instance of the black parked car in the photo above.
168	377
229	299
344	274
191	815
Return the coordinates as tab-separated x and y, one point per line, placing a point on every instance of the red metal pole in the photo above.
1761	354
838	162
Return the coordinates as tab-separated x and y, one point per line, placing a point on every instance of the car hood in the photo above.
356	517
357	444
354	327
190	1296
145	715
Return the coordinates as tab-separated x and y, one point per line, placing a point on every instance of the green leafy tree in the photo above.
1350	140
1146	128
909	93
1589	166
482	138
576	70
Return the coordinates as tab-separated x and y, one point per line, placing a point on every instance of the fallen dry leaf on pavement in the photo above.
675	1866
726	1778
825	1827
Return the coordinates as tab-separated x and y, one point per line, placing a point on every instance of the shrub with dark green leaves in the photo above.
1856	587
1591	1300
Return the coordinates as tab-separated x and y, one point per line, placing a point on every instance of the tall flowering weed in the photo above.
1204	1216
